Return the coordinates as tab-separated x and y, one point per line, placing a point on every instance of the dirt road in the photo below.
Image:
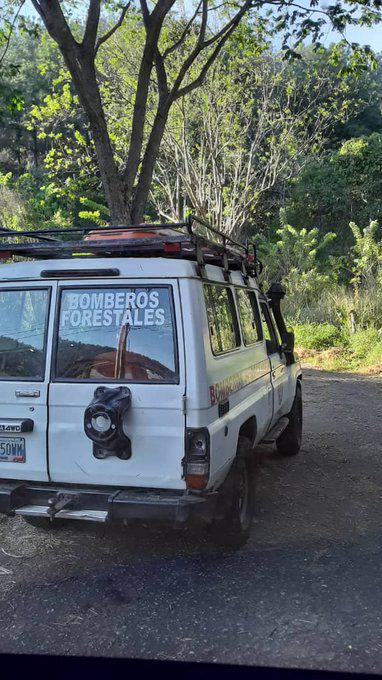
305	592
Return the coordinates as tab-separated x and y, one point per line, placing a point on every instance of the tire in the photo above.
289	442
232	527
44	523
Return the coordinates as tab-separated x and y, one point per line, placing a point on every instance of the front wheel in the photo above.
232	526
289	442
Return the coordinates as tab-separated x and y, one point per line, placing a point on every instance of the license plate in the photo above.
12	449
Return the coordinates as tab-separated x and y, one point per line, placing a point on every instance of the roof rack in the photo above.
174	239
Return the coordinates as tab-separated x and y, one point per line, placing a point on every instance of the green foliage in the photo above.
44	132
37	64
294	259
319	336
296	250
94	212
27	204
344	185
367	256
12	208
45	147
357	352
319	307
365	342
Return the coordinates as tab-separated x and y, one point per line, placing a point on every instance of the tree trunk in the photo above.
88	92
148	164
79	59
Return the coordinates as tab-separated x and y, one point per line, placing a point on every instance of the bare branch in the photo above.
307	10
56	24
201	44
91	28
113	29
145	13
251	150
198	81
11	29
153	25
234	21
183	36
161	75
203	25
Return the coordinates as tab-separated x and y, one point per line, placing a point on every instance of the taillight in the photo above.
197	459
172	247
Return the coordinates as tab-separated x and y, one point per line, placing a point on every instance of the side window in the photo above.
268	330
222	321
24	317
249	316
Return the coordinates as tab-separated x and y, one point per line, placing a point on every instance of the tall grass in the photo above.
334	306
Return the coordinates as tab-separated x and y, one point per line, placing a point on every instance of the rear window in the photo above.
24	315
116	333
249	316
222	320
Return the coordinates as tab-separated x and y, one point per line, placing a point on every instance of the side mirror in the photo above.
287	345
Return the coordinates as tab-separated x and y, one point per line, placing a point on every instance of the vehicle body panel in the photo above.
154	423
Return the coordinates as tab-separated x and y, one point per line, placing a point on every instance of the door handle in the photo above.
273	374
27	393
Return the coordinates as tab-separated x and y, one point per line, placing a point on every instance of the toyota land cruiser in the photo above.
139	369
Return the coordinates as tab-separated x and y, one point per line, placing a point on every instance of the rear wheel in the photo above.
232	527
289	442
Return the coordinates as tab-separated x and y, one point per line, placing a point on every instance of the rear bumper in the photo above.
106	505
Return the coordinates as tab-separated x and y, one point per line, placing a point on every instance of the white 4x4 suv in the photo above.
138	371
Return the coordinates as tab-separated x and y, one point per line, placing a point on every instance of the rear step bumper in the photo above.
100	505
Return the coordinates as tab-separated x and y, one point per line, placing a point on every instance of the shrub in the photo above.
367	344
319	336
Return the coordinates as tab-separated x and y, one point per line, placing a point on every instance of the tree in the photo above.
369	118
196	46
367	257
35	66
127	200
294	258
343	185
255	122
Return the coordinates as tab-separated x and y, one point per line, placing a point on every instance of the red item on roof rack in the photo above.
110	235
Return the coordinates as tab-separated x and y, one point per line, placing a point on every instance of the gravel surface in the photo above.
304	592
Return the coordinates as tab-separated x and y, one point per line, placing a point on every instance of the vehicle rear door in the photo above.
111	335
25	335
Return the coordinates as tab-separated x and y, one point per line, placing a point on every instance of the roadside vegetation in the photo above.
334	303
361	352
280	145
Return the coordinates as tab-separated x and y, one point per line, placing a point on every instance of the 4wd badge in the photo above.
12	425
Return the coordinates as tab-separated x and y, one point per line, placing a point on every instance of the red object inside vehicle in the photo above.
110	235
